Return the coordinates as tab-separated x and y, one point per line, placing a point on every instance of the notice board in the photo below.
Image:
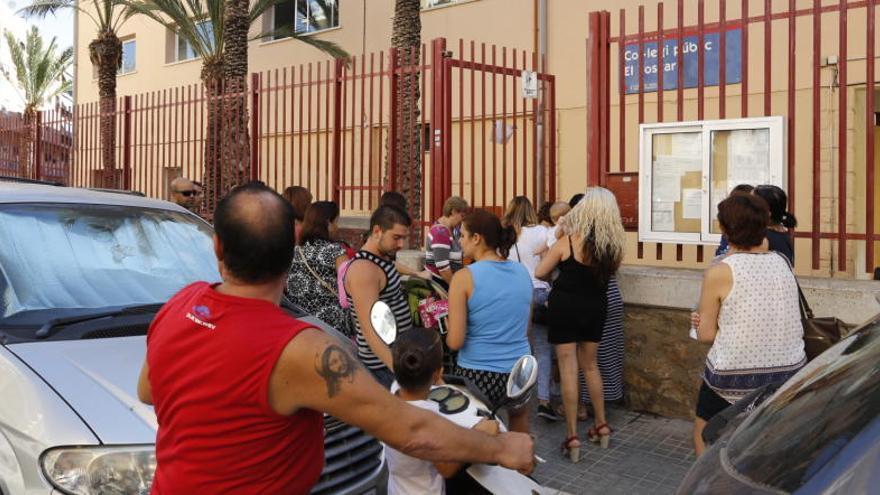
686	169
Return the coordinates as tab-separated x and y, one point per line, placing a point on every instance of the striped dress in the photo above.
393	296
610	354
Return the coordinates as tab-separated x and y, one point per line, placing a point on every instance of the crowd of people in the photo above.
535	281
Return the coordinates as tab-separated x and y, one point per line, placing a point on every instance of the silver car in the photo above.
82	273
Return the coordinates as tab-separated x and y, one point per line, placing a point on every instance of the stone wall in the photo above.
662	364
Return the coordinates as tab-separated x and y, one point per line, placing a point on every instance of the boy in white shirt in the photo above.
418	356
557	211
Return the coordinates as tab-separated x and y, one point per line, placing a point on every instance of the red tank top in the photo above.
210	357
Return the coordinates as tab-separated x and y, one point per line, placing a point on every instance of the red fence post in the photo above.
126	143
598	53
255	125
38	145
438	125
393	65
338	97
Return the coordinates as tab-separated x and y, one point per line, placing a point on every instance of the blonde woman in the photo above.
588	256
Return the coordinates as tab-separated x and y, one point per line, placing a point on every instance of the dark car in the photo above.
818	433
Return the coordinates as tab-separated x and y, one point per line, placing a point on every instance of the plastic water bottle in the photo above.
693	331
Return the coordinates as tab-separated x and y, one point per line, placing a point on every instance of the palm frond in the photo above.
185	17
329	47
260	7
40	71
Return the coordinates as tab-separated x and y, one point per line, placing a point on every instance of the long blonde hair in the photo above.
597	218
520	213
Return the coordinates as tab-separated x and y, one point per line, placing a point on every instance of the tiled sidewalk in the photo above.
648	455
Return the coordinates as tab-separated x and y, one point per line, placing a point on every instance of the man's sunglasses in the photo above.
186	193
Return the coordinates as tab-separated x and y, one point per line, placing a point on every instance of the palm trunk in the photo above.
235	149
407	39
105	52
212	78
26	147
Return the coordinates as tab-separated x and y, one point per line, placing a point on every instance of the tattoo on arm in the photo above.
335	366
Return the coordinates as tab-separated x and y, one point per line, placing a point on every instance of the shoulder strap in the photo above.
315	274
518	258
806	311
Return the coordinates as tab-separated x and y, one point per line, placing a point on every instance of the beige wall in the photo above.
365	27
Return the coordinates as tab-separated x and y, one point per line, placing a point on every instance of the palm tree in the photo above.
41	74
224	74
406	37
105	53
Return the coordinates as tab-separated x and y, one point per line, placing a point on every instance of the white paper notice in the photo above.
667	165
691	164
692	203
667	187
663	216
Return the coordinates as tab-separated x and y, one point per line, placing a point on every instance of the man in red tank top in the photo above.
238	385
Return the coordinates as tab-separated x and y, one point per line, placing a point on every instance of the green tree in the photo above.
40	72
105	53
217	31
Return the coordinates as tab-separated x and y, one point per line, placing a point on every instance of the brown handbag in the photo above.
819	333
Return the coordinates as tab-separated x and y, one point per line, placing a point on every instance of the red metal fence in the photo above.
327	126
837	221
40	149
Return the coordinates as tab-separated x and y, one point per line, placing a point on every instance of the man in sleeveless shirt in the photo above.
238	385
373	276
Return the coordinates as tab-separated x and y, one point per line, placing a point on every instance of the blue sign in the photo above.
690	48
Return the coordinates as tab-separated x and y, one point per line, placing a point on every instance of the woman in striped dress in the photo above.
611	349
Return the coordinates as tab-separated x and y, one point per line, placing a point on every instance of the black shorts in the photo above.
493	385
709	403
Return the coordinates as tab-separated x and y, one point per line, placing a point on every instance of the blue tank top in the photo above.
498	316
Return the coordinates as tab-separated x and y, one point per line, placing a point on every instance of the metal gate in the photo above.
828	103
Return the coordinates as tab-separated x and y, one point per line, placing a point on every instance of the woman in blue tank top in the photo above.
489	305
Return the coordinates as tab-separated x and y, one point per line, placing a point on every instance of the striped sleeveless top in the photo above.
393	296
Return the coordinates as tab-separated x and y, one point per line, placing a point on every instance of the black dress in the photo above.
578	303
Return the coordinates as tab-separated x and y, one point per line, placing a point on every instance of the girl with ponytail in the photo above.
489	305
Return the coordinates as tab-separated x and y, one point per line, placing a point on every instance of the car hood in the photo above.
98	379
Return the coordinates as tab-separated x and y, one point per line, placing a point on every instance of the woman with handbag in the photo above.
311	283
749	311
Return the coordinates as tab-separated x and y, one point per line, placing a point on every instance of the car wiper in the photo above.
48	328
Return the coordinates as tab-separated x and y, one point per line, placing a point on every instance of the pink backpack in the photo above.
340	283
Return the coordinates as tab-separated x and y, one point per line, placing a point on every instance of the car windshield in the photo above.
789	439
92	256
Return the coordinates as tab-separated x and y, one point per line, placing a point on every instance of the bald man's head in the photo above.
183	192
254	225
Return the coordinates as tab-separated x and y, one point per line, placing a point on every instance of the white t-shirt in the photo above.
551	236
408	475
531	240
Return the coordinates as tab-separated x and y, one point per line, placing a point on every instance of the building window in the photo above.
687	168
129	52
305	16
183	50
430	4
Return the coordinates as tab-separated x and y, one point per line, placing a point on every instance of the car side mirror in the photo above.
382	319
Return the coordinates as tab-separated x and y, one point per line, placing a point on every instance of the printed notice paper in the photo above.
667	187
663	216
692	203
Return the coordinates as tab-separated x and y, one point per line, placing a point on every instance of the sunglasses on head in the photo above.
186	193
